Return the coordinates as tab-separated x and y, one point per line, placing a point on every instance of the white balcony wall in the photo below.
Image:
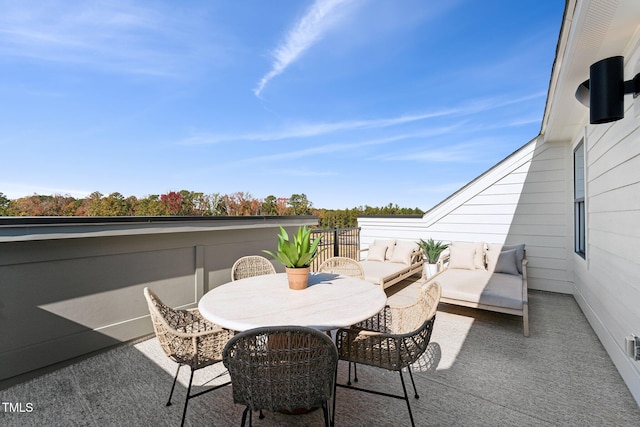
69	289
523	199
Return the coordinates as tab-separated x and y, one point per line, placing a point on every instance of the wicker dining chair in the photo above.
392	340
342	265
187	339
282	368
252	265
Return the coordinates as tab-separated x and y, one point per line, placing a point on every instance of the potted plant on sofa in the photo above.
432	251
296	255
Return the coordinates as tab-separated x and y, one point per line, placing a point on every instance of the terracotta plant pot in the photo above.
298	277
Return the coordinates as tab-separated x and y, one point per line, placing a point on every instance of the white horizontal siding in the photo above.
607	284
521	200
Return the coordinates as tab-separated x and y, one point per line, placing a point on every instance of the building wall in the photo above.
68	290
607	282
523	199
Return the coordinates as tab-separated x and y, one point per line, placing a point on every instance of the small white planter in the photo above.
430	270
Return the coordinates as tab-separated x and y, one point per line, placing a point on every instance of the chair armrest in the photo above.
380	322
385	350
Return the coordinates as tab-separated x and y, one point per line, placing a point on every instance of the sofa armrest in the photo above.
361	252
443	259
417	256
525	287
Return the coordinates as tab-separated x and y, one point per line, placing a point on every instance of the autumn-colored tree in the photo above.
151	206
282	206
30	206
173	202
191	203
242	204
115	204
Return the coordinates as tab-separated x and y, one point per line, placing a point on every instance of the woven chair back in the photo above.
184	335
281	368
250	266
408	318
343	266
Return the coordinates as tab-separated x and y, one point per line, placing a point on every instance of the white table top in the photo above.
329	302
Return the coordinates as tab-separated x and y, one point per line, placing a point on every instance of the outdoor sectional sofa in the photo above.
388	262
490	277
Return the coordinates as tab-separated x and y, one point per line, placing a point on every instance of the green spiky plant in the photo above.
432	249
297	253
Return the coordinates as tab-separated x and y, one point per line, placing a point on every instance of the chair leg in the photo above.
244	416
406	398
415	391
174	385
355	373
261	416
325	411
335	387
186	400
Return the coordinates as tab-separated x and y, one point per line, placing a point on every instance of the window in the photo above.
578	200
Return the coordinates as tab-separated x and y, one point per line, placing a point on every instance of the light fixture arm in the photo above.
633	86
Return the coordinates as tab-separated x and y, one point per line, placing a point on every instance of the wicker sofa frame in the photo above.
397	272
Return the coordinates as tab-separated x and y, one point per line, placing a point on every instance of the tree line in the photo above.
189	203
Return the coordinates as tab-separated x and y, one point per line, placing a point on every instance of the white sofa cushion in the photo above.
375	271
376	253
477	250
389	244
461	257
481	286
402	252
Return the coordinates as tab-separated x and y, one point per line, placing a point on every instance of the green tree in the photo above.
269	205
151	206
5	203
300	205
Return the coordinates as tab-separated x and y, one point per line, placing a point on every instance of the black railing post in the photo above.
336	244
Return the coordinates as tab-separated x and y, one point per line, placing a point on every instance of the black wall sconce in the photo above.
604	92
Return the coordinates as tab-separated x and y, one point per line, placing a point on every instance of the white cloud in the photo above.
316	129
109	35
321	16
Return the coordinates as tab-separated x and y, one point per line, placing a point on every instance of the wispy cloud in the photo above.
113	35
459	153
353	147
320	17
309	130
316	129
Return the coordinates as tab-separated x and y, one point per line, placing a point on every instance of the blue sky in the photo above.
352	102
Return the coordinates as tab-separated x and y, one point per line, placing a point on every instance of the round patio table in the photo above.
330	302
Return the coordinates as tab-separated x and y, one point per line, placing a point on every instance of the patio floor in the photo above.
479	370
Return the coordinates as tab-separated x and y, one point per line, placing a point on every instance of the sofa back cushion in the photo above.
518	248
502	262
403	251
389	244
376	253
468	256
